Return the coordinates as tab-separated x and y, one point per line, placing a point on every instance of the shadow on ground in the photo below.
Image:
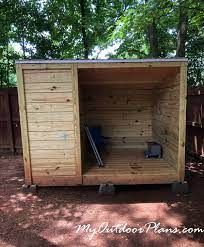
50	217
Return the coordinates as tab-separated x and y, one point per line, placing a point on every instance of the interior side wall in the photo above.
123	112
165	123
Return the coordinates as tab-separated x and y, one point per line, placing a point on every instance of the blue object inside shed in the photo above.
96	133
154	150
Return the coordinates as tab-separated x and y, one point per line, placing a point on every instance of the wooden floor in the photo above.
128	166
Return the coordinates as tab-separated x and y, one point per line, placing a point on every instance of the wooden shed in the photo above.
134	102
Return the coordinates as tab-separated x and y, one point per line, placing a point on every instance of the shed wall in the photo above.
51	119
166	119
124	112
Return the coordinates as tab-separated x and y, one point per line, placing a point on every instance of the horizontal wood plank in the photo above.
50	162
51	135
65	180
55	145
49	97
67	154
50	117
36	76
49	107
124	179
52	87
53	171
50	126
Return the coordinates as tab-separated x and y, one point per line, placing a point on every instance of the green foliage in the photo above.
195	44
77	29
131	30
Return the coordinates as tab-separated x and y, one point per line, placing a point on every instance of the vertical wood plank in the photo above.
76	119
182	121
9	122
24	125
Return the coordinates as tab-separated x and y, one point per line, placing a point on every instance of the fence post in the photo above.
9	122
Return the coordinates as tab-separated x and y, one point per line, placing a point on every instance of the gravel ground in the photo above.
50	217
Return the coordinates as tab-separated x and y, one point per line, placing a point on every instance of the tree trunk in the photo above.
153	39
182	32
83	29
8	65
23	47
7	54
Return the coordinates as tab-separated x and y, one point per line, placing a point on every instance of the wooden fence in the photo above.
195	121
10	134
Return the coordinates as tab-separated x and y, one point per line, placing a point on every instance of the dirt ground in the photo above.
50	217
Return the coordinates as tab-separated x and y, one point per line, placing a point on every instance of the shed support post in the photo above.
180	187
107	189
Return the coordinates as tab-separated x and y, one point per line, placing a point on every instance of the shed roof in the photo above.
50	61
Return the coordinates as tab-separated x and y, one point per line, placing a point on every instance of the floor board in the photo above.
129	166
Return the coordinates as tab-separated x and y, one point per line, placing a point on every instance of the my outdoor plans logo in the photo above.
154	227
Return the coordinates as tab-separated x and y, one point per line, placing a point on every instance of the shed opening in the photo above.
131	106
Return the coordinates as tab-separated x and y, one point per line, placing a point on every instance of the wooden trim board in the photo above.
77	119
24	125
129	179
182	122
125	63
45	66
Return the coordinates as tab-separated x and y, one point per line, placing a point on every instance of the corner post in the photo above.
182	121
24	125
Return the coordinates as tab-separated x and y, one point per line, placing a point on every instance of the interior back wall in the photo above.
124	113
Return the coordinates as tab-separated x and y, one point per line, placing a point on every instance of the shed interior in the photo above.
132	106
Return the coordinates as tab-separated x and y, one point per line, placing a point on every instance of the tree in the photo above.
83	28
182	30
